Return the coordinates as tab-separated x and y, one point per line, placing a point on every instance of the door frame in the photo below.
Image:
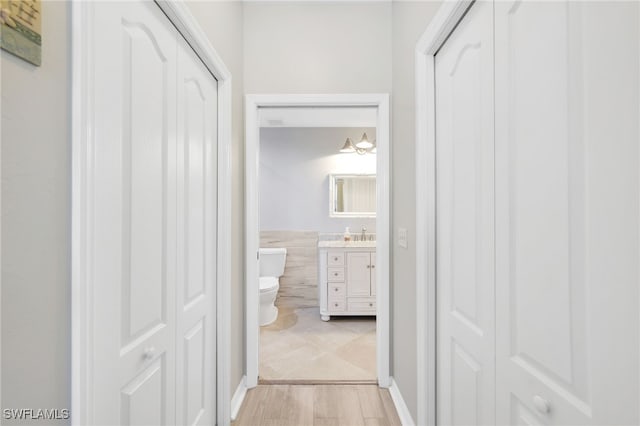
81	238
442	25
252	218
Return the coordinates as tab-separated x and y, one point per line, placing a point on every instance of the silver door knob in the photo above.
148	352
541	404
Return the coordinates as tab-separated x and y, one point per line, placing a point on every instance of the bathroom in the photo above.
317	186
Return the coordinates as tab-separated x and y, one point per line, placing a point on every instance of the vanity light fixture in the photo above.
348	146
361	147
364	142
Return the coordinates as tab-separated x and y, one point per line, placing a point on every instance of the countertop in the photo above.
345	244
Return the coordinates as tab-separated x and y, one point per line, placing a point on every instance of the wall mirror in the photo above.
352	195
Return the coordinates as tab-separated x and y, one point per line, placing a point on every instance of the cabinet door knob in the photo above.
335	274
541	404
335	304
335	258
368	266
373	266
335	289
370	304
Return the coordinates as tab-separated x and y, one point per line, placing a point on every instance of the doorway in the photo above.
254	103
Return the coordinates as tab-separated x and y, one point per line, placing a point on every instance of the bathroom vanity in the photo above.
347	278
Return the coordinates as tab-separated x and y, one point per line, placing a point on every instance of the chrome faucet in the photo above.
364	230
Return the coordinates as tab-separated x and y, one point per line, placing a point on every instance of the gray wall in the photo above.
317	47
294	177
410	19
36	215
222	23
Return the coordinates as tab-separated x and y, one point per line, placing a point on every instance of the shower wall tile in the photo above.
299	284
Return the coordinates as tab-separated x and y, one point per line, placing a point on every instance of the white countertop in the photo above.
345	244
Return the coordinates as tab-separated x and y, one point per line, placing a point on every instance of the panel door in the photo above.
358	274
465	234
134	216
196	274
567	212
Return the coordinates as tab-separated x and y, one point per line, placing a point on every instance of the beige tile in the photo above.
360	352
299	345
328	366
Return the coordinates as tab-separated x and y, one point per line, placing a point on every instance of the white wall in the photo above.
36	215
294	177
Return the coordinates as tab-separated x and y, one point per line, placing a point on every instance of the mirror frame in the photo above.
332	195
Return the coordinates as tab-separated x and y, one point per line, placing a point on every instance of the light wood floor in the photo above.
317	405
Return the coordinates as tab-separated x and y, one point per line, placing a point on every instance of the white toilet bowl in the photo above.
272	261
268	291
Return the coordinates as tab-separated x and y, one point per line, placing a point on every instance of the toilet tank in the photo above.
272	261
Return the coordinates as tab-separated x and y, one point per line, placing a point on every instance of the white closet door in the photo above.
197	185
133	222
465	234
567	212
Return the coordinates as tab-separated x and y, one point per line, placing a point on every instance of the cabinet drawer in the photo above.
336	289
335	274
336	304
335	258
361	304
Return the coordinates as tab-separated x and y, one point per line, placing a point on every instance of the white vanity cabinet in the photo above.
346	278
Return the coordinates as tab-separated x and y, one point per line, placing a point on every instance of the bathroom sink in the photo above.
346	244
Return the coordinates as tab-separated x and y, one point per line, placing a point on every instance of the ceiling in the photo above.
318	117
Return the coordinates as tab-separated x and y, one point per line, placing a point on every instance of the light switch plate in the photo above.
402	237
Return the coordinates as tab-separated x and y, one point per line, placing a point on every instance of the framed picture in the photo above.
20	29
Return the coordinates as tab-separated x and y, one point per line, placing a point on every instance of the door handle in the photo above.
541	404
148	353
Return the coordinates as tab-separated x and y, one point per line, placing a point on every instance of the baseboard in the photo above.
401	406
238	397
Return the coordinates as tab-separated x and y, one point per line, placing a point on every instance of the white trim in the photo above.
238	398
433	38
252	228
82	107
401	406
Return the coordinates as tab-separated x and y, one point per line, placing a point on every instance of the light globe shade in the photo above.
348	146
364	142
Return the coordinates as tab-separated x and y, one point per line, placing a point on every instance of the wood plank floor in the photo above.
317	405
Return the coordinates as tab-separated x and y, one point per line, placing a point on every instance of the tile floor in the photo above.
300	346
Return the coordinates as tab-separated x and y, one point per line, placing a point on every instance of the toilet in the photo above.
272	261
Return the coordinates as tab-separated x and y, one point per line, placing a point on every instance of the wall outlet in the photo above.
402	237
